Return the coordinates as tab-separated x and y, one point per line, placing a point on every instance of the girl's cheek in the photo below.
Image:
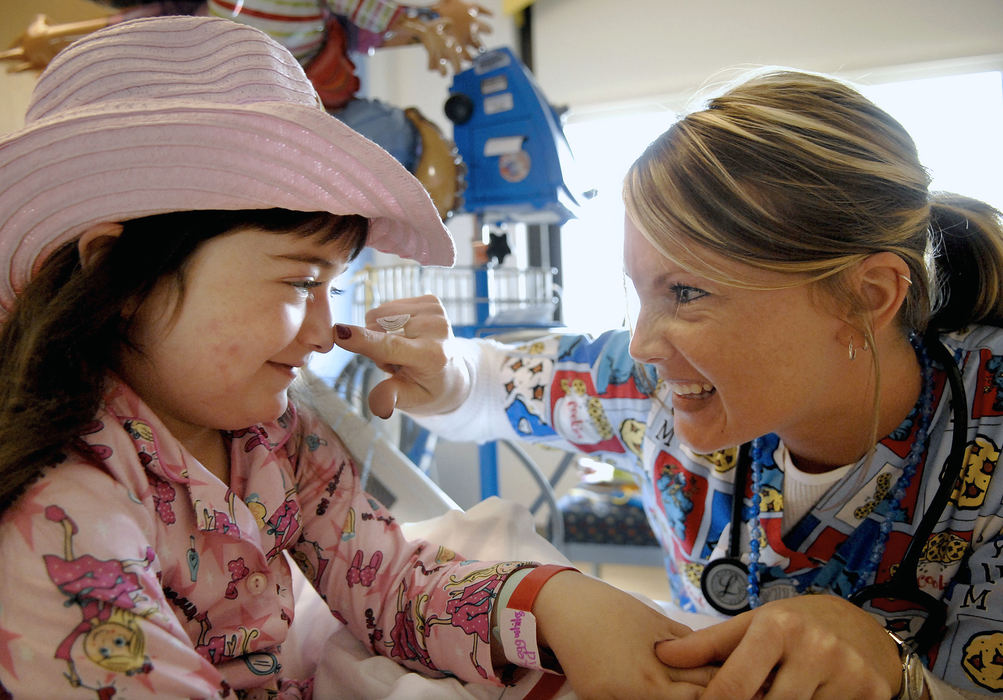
291	315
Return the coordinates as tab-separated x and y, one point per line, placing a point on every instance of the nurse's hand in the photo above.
426	375
811	646
605	641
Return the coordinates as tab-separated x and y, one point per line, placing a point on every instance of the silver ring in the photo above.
395	323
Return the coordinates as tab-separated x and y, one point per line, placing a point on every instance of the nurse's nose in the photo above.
647	346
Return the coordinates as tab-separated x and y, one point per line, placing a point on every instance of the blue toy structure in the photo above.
512	144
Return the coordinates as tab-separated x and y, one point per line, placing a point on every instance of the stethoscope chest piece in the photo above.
724	583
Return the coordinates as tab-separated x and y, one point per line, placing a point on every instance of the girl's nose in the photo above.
317	331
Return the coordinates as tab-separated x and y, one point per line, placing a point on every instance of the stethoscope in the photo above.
724	581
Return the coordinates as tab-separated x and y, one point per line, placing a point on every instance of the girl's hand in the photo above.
812	646
425	375
605	641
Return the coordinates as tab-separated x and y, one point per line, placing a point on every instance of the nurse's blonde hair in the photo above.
799	173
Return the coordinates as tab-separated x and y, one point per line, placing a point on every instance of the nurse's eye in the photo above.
685	294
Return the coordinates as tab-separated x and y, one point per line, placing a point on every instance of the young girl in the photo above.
173	219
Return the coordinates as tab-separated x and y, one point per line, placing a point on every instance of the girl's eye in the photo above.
306	286
684	294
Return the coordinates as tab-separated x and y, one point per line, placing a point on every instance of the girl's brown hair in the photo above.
70	324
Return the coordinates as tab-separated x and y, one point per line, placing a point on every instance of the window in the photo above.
956	121
592	244
957	124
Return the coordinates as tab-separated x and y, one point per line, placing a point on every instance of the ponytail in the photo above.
967	237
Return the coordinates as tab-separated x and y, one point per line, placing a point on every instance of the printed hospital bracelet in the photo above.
517	630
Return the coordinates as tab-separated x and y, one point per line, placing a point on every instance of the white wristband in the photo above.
517	624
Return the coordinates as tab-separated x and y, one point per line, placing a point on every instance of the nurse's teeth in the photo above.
688	389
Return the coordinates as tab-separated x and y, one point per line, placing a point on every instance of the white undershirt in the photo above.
802	489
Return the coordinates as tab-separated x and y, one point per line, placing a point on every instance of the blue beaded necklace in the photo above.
894	498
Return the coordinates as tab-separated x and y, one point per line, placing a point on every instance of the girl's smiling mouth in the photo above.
287	369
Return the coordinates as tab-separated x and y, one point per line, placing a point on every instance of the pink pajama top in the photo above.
129	570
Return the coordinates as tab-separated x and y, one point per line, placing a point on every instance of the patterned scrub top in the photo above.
129	570
588	395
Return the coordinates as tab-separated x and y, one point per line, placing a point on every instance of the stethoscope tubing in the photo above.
903	584
955	461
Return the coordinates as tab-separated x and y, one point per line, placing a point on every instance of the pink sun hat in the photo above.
191	113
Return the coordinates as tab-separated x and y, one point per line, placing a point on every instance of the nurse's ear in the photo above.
96	240
882	281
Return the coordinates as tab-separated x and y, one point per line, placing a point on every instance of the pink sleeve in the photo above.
421	605
82	612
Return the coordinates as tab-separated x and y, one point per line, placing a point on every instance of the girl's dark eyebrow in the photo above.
309	259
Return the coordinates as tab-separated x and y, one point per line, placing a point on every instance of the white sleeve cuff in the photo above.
480	417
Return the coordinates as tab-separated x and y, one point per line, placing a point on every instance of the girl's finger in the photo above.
700	676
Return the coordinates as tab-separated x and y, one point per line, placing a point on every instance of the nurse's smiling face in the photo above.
739	362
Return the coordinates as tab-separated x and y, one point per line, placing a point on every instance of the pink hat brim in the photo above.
63	174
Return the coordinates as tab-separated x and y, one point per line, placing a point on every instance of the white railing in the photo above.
514	295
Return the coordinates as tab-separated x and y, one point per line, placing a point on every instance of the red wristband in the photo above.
525	593
523	626
545	688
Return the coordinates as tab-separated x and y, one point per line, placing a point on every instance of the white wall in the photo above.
592	51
